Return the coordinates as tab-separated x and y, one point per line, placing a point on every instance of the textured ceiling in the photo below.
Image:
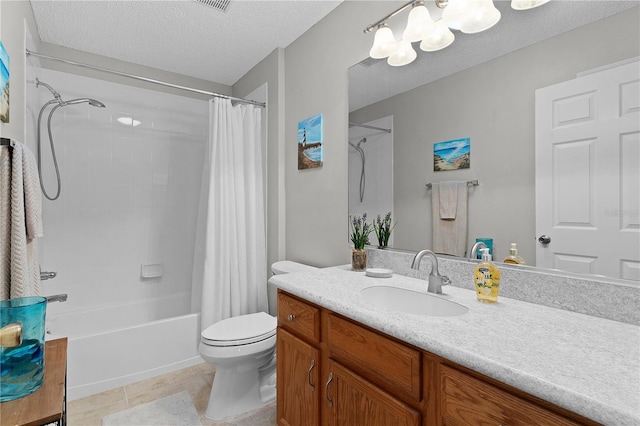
375	80
184	37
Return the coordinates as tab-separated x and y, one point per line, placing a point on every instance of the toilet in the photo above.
242	349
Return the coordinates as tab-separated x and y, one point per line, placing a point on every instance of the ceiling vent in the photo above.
220	5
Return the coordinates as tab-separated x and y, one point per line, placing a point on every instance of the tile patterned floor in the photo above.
196	380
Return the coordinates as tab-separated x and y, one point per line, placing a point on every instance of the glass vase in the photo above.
358	259
23	365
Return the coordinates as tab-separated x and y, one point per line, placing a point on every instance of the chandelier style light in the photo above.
467	16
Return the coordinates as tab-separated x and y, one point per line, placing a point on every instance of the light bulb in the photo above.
438	38
481	15
418	22
455	13
403	56
384	43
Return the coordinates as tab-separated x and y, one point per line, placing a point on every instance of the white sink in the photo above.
411	302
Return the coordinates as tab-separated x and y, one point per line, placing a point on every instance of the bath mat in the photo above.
174	410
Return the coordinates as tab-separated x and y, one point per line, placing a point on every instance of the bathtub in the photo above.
112	346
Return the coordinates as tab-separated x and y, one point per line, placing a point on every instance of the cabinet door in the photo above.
351	400
467	401
297	381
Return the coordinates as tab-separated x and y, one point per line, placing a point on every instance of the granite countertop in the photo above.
586	364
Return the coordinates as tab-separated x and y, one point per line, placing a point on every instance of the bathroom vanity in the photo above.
344	361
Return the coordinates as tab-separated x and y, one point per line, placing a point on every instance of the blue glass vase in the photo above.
22	367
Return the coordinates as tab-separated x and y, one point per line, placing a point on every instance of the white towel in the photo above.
5	222
21	204
450	235
32	194
448	199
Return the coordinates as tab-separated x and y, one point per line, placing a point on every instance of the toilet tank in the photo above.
278	268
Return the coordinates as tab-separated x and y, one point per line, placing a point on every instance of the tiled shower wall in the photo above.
129	193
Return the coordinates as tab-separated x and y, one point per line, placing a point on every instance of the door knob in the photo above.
544	240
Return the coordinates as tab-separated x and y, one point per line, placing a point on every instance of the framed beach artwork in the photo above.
310	142
4	84
452	155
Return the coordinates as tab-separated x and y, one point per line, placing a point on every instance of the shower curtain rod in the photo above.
148	80
366	126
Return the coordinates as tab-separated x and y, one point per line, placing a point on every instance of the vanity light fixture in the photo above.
468	16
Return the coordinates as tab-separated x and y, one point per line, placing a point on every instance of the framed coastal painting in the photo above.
4	84
310	142
452	155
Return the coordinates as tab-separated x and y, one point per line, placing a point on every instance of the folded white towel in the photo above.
448	199
450	235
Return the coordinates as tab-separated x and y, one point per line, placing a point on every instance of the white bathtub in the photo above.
112	346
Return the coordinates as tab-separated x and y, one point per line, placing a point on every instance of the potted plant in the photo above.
360	231
383	230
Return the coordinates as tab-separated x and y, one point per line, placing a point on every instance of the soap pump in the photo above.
514	257
487	279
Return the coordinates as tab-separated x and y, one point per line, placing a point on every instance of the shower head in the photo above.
91	102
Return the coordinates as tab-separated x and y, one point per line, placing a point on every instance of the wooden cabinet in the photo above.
298	367
466	400
365	351
298	362
333	371
353	401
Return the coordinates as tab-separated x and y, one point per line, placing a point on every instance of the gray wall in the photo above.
493	104
316	82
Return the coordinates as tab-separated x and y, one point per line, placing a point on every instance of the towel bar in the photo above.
469	182
7	142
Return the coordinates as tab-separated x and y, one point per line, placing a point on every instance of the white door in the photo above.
588	174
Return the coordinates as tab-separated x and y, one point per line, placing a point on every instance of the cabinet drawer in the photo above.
299	317
469	401
381	360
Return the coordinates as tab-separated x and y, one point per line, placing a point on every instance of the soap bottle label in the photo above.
487	280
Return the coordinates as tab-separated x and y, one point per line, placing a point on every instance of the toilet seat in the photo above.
240	330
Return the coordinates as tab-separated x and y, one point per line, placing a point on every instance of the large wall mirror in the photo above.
482	87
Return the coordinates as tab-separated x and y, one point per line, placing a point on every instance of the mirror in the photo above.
482	87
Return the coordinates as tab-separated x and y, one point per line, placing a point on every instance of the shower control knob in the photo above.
291	317
544	240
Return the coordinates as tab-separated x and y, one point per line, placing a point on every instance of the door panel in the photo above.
354	401
588	173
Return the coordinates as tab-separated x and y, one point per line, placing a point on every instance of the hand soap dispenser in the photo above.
487	279
513	256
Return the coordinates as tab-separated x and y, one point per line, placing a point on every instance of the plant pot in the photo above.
358	259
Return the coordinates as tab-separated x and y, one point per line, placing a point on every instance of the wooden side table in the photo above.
47	404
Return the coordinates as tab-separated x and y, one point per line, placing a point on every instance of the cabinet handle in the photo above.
313	364
291	317
326	389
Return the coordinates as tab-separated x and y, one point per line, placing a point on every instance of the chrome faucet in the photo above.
436	281
474	249
57	298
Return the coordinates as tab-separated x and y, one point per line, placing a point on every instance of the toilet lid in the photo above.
240	330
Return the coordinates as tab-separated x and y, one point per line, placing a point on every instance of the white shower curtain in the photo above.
233	236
